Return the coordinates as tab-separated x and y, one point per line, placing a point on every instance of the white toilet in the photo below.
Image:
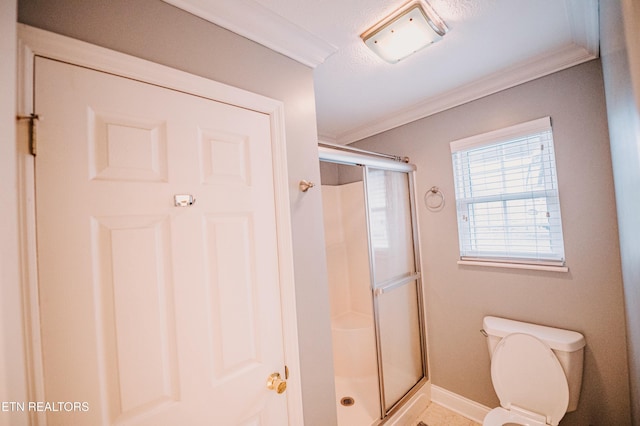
536	372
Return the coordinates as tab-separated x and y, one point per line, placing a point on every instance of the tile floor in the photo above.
437	415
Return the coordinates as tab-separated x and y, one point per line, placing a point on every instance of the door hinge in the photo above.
33	134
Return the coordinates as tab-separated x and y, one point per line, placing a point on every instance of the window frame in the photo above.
553	257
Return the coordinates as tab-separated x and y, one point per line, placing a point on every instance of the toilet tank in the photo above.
568	347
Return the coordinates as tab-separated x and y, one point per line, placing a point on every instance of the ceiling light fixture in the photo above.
407	30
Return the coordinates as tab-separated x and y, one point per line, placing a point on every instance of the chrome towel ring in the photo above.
434	199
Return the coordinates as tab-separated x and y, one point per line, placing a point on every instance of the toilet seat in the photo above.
527	376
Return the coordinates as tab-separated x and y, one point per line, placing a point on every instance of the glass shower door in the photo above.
395	284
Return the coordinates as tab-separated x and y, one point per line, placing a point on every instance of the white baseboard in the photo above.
461	405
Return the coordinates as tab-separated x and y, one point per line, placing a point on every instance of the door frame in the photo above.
34	42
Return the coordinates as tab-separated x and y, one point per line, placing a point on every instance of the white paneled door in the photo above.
154	313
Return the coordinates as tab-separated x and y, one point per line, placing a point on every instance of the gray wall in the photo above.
588	299
329	173
156	31
620	49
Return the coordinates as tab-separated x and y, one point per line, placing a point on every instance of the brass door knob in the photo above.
275	382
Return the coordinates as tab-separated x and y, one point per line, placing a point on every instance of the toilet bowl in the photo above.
503	417
534	384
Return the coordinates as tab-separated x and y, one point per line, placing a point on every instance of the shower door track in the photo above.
347	148
358	157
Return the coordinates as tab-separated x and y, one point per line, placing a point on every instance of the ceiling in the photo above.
491	45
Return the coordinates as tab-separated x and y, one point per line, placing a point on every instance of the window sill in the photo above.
514	265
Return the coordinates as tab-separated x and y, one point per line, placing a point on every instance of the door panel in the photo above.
155	314
139	355
400	341
395	284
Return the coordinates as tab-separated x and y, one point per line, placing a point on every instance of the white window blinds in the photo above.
507	196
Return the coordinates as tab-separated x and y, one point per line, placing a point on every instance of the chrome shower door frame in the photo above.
373	161
390	285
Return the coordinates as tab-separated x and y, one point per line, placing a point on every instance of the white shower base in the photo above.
356	369
366	408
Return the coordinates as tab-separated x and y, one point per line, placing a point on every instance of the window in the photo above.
507	196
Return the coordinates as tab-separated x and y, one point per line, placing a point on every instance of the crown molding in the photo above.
584	24
255	22
537	67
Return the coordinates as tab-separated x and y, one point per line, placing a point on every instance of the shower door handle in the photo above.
387	286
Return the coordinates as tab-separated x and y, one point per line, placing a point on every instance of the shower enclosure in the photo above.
374	283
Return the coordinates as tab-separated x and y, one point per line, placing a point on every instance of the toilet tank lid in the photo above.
556	338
